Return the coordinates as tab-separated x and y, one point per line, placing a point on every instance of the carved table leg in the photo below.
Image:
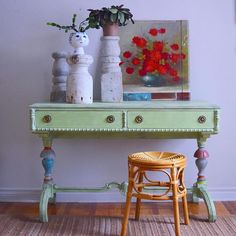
200	187
48	192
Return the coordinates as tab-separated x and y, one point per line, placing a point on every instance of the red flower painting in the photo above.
151	55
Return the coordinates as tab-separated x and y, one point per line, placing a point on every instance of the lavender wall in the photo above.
26	44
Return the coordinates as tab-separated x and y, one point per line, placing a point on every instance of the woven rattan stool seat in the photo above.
156	158
171	165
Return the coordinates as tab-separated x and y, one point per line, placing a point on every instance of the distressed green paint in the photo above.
168	117
160	120
175	119
85	119
199	190
49	193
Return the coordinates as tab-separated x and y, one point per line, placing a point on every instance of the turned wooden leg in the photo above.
200	187
175	201
201	156
48	192
48	156
201	162
138	201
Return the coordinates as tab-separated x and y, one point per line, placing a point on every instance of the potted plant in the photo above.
78	38
73	26
109	18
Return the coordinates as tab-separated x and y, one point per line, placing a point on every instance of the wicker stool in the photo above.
172	164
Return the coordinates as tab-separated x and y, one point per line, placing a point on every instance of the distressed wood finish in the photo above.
155	119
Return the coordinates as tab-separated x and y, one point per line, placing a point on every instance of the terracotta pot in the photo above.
110	30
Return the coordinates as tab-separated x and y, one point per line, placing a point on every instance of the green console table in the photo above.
156	119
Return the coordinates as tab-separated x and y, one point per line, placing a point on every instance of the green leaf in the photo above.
73	19
113	11
125	10
113	18
121	18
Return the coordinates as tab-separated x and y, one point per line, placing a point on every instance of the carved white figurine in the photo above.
79	82
79	40
79	86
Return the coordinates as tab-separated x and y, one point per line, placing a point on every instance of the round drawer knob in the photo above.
110	119
201	119
47	119
138	119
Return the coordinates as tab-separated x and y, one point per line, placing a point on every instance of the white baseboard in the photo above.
33	195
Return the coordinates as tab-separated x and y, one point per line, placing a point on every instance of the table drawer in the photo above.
78	119
171	119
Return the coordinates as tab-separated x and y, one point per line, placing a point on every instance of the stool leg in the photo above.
175	202
128	202
138	201
184	199
185	207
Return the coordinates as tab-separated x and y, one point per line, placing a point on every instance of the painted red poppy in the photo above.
173	72
142	72
129	70
175	46
162	30
174	57
139	42
127	54
135	39
135	61
155	55
158	45
153	31
165	56
162	69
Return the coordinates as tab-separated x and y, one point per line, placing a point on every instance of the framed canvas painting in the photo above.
154	60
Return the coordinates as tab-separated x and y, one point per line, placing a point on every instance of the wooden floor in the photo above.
112	209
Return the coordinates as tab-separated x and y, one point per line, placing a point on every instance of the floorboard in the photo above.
112	209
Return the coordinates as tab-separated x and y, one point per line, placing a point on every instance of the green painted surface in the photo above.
172	119
200	191
161	116
129	105
78	119
160	119
49	193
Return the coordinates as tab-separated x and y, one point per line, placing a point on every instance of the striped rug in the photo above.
111	226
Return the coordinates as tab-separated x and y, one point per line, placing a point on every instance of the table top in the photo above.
131	104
